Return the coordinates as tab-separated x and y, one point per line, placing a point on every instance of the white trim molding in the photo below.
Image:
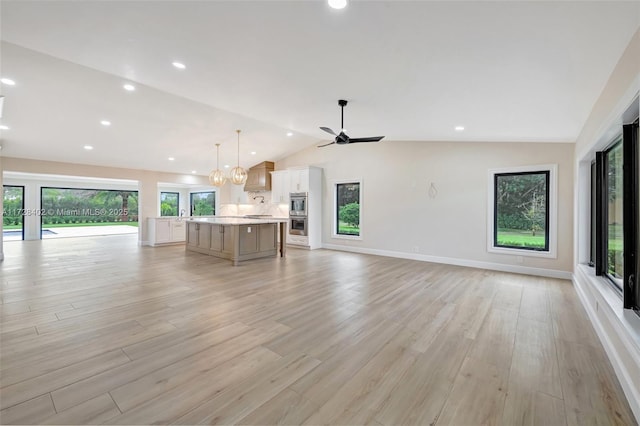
552	206
526	270
617	328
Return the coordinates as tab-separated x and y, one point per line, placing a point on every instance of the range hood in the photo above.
259	177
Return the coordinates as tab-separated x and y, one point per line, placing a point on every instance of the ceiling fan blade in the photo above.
371	139
328	130
327	144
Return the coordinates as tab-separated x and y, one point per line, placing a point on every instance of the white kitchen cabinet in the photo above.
299	180
164	230
178	231
280	187
309	180
238	195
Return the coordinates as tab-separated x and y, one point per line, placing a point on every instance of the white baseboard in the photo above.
550	273
626	331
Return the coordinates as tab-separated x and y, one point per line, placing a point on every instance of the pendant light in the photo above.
238	174
216	177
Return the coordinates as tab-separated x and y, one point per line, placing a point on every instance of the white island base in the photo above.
237	239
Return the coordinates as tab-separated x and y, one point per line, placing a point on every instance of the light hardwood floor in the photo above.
102	331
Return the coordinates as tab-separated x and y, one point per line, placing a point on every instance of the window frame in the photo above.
177	202
334	229
552	211
630	215
22	204
215	201
627	287
617	283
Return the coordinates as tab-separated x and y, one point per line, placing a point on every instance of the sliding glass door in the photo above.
13	212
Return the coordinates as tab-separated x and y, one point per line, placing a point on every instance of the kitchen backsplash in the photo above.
256	207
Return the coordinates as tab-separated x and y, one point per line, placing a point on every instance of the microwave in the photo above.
298	204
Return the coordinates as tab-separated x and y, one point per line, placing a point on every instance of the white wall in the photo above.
398	215
618	329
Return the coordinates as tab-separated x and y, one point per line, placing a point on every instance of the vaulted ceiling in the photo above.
412	70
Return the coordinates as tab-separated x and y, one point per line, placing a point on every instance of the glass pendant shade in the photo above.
217	177
238	174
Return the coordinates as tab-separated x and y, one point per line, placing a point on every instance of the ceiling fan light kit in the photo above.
217	177
238	174
342	138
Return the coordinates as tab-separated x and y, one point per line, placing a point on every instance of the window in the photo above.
203	203
632	293
592	217
347	209
615	206
614	229
522	217
169	202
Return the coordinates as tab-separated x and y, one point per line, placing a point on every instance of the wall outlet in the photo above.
519	259
248	229
416	249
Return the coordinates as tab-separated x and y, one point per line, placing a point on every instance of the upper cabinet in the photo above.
280	187
259	177
284	182
299	180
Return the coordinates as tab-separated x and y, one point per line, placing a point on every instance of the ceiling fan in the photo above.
342	138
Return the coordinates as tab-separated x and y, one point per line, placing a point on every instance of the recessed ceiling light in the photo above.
129	87
459	128
7	81
194	172
105	123
338	4
253	153
226	166
3	127
179	65
171	158
88	147
289	133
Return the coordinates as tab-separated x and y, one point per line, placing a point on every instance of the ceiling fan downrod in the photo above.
342	104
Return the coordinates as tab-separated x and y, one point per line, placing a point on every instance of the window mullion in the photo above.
601	214
630	213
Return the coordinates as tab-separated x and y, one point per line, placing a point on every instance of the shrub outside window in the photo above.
347	209
203	203
169	202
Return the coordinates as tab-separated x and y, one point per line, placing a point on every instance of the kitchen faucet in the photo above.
261	198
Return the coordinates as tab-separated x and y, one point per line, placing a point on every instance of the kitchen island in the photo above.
237	239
